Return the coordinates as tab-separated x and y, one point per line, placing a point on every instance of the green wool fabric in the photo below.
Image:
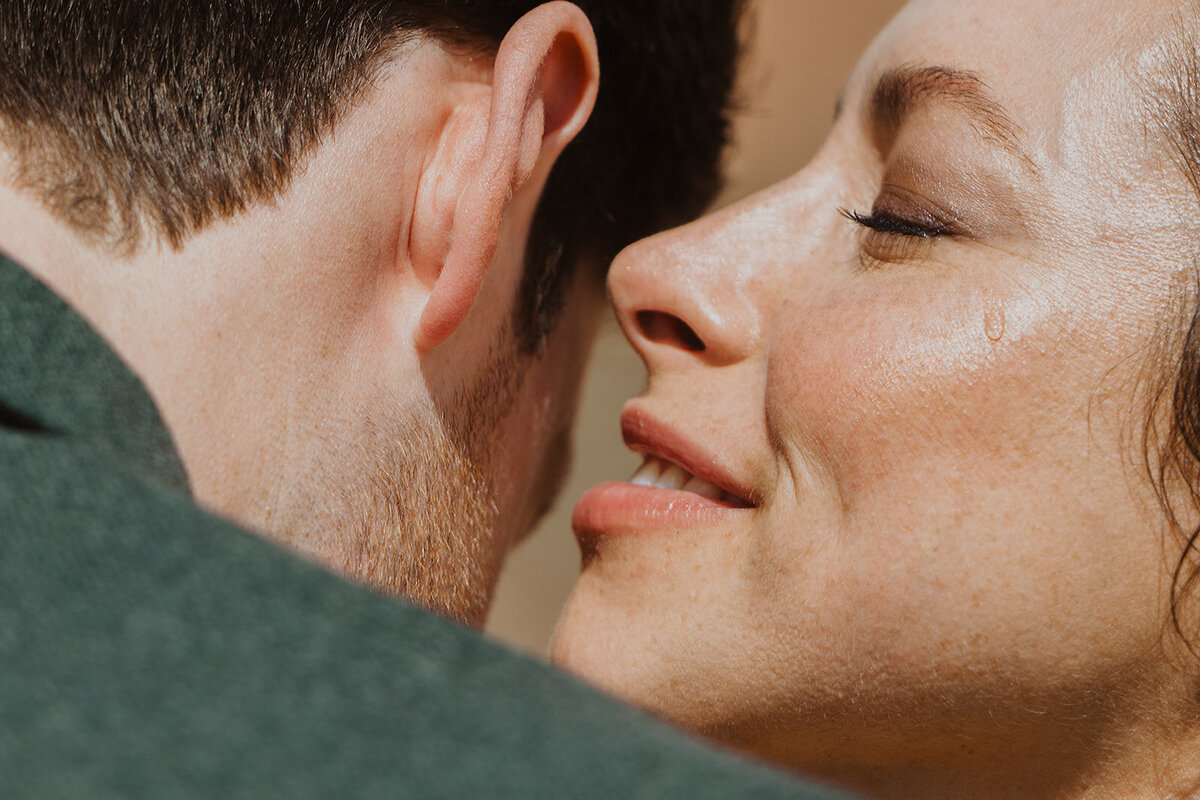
150	650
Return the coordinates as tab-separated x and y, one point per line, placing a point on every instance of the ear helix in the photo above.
530	86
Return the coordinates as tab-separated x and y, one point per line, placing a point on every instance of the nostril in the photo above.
663	328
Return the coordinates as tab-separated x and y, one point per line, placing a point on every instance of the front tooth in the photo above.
646	474
703	488
672	478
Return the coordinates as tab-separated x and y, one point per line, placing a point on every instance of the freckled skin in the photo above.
955	583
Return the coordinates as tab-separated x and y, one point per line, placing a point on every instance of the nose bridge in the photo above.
695	290
711	290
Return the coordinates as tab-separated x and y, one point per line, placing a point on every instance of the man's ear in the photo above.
543	88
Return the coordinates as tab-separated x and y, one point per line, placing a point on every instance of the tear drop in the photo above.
993	324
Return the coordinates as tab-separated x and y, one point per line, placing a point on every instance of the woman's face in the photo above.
931	418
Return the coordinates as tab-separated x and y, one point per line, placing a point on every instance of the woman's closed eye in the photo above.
884	222
888	237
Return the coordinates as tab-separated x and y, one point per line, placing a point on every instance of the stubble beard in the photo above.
408	506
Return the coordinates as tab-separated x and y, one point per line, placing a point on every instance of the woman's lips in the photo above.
663	473
665	492
663	447
617	507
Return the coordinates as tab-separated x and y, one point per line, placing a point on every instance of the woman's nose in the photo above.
681	299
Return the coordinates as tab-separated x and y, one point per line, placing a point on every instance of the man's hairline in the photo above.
130	233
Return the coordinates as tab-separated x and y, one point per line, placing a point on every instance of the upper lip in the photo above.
649	436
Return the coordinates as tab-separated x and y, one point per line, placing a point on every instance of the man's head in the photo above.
347	246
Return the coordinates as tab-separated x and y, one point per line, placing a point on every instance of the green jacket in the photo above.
148	649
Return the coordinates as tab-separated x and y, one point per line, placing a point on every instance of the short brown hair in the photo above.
126	115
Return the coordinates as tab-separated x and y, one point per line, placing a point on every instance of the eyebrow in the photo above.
900	91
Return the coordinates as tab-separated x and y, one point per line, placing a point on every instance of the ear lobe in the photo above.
544	86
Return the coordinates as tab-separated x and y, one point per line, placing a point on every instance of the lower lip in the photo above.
629	508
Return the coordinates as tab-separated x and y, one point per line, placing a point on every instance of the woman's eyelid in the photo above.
898	229
887	224
900	203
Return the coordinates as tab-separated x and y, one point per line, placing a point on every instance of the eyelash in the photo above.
890	239
897	226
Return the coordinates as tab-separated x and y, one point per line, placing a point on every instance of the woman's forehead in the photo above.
1032	54
1072	78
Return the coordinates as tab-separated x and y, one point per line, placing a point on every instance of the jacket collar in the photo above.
59	378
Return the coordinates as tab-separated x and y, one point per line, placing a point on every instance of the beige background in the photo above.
801	53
